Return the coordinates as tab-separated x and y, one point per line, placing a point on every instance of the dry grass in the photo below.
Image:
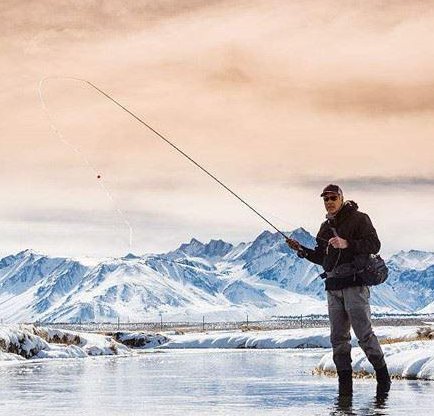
65	339
422	334
3	345
362	374
387	341
113	347
245	328
425	332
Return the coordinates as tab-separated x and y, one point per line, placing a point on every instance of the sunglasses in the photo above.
331	198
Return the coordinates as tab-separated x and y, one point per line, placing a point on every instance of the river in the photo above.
196	382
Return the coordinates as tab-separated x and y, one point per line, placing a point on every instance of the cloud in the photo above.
71	217
366	182
375	98
77	19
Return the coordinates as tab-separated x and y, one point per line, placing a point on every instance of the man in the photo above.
345	236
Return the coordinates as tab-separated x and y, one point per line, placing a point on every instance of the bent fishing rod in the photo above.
170	143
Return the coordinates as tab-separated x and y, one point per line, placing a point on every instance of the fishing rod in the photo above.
170	143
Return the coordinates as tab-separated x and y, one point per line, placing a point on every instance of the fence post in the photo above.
301	321
203	323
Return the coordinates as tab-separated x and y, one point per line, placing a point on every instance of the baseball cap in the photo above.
332	188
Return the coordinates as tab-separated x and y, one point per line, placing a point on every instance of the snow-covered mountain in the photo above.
216	279
412	279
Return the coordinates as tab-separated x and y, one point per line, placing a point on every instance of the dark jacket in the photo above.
357	229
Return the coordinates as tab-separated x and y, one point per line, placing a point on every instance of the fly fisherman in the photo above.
346	233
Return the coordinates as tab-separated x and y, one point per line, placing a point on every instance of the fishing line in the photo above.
81	154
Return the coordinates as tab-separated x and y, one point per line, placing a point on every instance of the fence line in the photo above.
289	322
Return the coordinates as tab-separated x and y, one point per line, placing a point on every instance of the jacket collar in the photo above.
347	208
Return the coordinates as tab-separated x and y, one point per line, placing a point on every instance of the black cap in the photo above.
332	188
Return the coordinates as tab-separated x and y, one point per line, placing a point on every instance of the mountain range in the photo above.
217	280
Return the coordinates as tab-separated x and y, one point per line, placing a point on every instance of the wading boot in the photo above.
383	380
345	382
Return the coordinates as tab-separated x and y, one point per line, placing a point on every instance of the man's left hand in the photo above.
338	242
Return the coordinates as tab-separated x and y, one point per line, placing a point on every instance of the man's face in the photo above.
332	202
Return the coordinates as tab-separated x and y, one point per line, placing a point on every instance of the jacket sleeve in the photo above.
367	241
315	255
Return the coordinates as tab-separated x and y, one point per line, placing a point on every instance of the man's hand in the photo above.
338	242
294	244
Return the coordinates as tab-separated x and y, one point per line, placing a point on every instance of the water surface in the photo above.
196	382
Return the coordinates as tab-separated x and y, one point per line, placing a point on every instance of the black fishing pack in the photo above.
371	269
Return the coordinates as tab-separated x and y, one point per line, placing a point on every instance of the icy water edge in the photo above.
197	382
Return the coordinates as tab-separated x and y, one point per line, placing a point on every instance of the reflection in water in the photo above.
380	402
343	406
376	407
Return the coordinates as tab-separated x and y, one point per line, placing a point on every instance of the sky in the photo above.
275	98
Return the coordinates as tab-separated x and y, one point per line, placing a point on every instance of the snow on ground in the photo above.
8	357
27	341
412	360
295	338
406	355
139	339
83	344
288	338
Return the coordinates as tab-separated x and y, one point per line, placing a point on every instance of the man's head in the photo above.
333	198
